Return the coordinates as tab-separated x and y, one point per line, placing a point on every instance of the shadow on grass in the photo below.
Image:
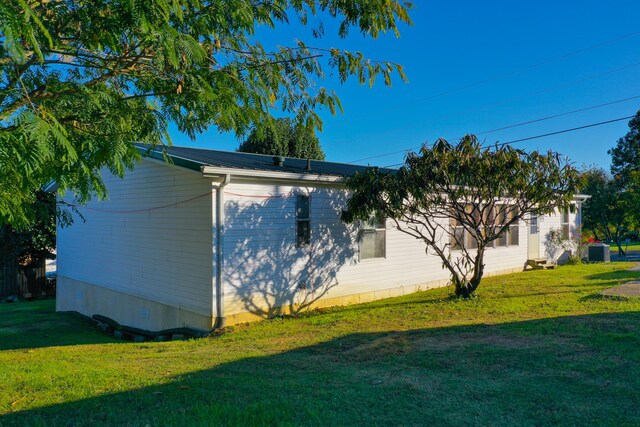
616	276
36	324
602	297
577	370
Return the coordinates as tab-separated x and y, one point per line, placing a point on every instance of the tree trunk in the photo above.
466	288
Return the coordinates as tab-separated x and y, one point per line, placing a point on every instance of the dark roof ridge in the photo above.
194	158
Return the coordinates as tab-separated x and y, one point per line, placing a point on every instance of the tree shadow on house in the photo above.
36	324
267	270
580	368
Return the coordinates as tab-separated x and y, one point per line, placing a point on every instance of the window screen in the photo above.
373	239
303	220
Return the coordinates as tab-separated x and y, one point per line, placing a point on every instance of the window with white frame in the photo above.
303	220
494	218
514	229
506	214
373	238
462	236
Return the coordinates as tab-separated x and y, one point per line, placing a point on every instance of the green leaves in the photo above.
81	81
625	156
284	138
463	197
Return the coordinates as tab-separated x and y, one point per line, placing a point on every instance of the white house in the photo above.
224	237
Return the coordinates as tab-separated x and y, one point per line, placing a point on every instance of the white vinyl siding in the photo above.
263	262
167	254
565	222
152	238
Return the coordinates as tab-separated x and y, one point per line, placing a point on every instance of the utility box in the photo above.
599	252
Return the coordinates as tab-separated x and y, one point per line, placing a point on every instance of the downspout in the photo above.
220	321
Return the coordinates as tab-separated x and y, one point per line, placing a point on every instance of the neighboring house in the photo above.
225	237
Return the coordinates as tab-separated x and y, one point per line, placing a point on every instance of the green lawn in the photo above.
535	348
634	246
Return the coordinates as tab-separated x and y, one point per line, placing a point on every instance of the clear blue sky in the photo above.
476	66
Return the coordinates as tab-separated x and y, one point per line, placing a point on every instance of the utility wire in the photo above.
502	144
511	126
526	96
172	205
561	114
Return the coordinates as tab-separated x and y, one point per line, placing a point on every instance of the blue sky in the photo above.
476	66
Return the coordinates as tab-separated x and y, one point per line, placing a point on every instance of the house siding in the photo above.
553	221
138	244
265	273
155	268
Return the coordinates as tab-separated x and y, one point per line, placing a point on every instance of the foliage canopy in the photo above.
80	81
625	156
459	199
609	213
284	138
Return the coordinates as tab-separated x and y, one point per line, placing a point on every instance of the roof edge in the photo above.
177	160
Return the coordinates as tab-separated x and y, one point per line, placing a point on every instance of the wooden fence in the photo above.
26	279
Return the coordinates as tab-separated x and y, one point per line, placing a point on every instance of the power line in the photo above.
560	115
551	89
564	131
502	144
529	95
510	126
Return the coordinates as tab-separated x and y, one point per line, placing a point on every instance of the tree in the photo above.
38	237
285	138
460	199
80	81
625	156
610	211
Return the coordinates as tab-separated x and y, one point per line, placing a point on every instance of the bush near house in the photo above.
534	348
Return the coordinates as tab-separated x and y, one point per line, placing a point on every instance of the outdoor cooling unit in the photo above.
599	252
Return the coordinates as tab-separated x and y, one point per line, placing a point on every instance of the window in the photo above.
493	219
533	223
457	237
373	238
303	220
511	237
501	220
461	235
564	224
514	229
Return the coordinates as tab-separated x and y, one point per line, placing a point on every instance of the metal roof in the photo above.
195	158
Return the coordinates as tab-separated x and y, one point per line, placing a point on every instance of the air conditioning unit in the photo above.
599	252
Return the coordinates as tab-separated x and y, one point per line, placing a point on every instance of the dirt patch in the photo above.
396	344
629	289
391	345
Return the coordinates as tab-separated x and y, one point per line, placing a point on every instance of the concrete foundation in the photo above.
143	313
88	299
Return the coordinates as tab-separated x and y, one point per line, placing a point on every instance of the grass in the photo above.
633	246
534	348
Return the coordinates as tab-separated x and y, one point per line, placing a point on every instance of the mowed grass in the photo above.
627	248
535	348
